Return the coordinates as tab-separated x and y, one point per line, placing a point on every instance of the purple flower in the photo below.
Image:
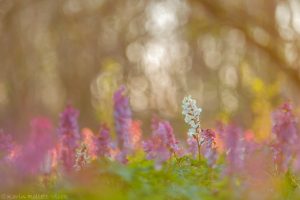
121	156
103	142
234	147
123	121
209	146
69	137
192	147
251	145
68	127
122	115
163	144
34	152
286	136
284	124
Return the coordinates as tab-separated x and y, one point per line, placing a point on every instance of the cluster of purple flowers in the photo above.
197	136
72	149
286	136
234	147
208	146
162	144
123	118
69	137
32	154
127	130
103	142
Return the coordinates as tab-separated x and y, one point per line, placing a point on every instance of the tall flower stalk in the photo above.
209	149
192	118
40	142
123	121
69	137
286	136
103	142
234	146
162	144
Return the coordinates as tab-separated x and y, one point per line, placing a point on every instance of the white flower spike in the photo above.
192	115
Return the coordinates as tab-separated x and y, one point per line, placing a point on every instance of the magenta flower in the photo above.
123	121
69	137
103	142
209	146
208	149
136	134
68	127
286	136
122	115
121	156
34	153
88	138
234	147
163	144
192	147
284	124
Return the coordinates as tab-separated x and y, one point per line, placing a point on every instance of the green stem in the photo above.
199	146
175	156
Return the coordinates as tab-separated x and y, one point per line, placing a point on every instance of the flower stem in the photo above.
199	146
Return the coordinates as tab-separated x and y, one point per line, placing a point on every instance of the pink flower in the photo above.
284	124
162	145
121	156
209	146
136	133
89	138
165	130
192	147
286	136
68	129
234	147
69	137
128	131
34	153
103	142
122	115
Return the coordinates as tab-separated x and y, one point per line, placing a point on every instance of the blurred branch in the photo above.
217	11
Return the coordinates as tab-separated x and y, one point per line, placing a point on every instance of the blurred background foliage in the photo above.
238	58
